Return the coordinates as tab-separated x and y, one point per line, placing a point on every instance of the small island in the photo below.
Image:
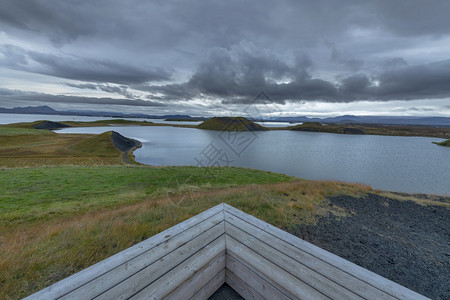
330	128
230	124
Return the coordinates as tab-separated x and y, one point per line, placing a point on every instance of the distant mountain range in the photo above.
346	119
46	110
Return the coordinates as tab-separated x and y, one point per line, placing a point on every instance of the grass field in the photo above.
56	221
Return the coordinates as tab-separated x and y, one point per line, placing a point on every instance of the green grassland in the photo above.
40	193
56	221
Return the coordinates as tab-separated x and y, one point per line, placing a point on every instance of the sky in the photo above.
232	57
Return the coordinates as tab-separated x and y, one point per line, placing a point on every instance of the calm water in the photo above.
407	164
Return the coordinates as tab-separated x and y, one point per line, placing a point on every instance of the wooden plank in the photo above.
242	288
194	284
133	284
272	273
300	271
165	285
73	282
212	286
365	275
253	280
115	276
361	288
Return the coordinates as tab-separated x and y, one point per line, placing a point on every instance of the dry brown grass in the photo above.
418	198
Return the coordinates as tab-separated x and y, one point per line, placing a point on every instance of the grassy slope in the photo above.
444	143
230	124
23	147
56	221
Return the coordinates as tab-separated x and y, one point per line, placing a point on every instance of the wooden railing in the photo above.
223	244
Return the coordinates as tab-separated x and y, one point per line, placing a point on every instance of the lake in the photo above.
405	164
17	118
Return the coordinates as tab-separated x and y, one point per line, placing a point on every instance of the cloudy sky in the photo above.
208	57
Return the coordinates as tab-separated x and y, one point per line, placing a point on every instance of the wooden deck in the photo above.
194	258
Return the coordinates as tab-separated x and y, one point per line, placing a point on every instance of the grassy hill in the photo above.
330	128
24	147
230	124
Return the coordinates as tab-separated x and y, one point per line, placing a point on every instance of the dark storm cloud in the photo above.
341	58
72	67
413	17
14	95
239	76
415	82
64	21
323	50
241	73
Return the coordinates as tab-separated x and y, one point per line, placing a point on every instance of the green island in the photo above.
230	124
71	200
373	129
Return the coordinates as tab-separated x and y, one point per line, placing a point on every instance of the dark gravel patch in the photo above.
403	241
123	143
225	292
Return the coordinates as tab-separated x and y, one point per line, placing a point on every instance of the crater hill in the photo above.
230	124
330	128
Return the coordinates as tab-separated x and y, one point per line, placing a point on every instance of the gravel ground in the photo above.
225	292
400	240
